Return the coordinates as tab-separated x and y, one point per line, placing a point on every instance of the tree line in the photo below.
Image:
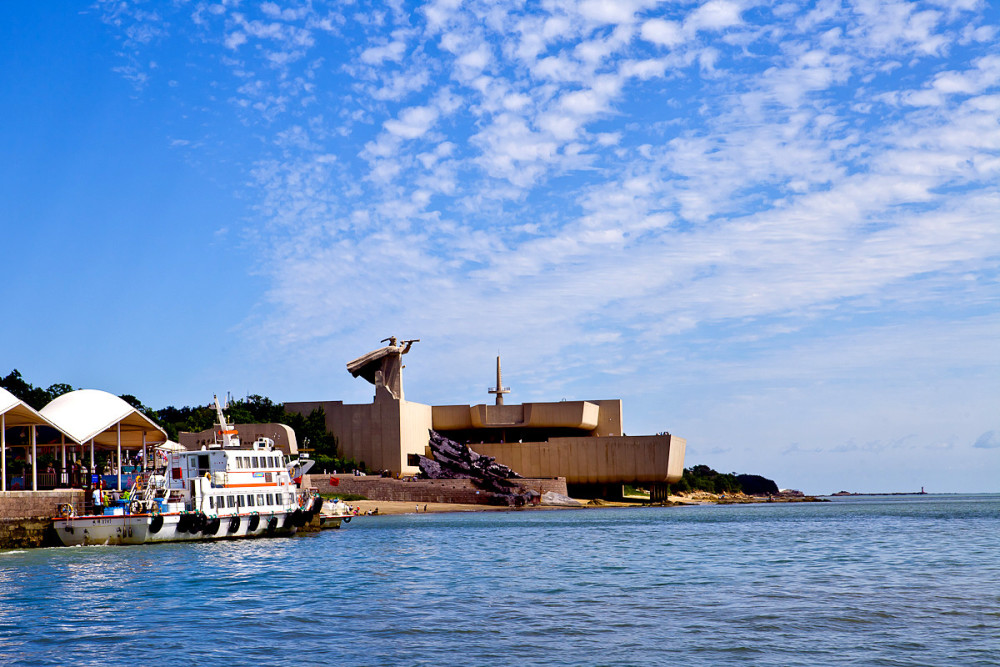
310	431
703	478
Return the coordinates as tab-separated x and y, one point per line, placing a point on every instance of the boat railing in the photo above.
144	490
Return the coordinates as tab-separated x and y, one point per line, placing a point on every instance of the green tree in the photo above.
34	396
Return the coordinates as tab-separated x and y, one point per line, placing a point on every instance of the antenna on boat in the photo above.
230	436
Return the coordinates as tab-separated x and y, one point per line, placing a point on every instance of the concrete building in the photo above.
579	440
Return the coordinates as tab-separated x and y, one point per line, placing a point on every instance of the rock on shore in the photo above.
453	460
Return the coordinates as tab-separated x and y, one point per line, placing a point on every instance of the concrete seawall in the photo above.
26	516
421	490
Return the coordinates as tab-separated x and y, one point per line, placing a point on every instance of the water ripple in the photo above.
864	581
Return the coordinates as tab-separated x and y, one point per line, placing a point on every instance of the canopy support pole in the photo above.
119	456
63	475
3	452
145	455
93	463
34	459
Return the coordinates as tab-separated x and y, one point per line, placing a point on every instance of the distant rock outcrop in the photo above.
755	485
453	460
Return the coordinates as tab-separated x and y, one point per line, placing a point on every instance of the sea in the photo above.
864	580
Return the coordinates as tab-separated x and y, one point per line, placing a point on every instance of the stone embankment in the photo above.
462	491
26	516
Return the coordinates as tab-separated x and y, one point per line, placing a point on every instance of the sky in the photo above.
770	228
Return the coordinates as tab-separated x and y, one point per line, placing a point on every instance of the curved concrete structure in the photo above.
579	440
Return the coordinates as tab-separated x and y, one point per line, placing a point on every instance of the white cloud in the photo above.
664	33
235	40
714	15
376	55
413	122
608	11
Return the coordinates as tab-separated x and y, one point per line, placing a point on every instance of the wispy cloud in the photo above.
619	173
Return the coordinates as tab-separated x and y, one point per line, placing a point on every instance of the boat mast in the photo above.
230	436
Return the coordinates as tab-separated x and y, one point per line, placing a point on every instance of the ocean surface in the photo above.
898	580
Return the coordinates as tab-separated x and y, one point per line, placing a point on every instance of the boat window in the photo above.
260	499
211	503
232	501
270	499
249	500
243	501
256	463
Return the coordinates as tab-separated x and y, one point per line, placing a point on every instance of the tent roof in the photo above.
171	446
88	414
18	413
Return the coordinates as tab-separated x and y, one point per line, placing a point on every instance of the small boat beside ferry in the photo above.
332	515
220	491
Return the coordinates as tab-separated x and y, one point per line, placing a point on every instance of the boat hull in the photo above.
139	529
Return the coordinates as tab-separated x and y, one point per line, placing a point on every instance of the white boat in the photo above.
331	516
221	491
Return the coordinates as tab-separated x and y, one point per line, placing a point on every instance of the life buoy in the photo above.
135	507
347	519
66	510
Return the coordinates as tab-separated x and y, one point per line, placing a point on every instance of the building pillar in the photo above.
34	458
119	456
3	452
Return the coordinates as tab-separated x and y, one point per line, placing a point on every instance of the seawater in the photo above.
857	581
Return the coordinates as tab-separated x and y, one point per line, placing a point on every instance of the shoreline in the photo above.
397	507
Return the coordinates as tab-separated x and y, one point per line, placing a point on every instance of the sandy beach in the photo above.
386	507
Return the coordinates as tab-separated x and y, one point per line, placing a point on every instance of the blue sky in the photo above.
770	228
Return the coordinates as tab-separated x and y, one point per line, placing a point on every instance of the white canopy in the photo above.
88	414
18	413
171	446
